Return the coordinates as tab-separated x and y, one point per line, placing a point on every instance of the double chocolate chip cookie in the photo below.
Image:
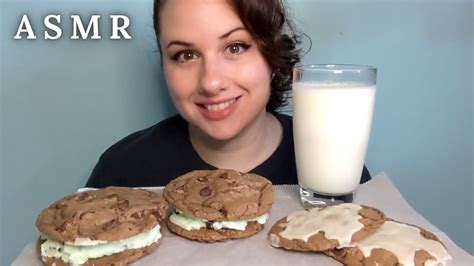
217	205
110	226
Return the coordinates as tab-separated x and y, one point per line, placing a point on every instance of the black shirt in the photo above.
158	154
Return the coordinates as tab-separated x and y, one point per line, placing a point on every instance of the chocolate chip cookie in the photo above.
216	205
113	219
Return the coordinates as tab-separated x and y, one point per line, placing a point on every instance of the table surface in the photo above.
174	250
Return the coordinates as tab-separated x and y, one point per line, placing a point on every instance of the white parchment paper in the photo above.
174	250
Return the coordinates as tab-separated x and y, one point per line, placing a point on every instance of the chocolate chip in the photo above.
181	189
225	176
61	206
205	192
83	196
203	179
85	213
112	196
223	211
63	226
109	225
135	215
123	205
157	214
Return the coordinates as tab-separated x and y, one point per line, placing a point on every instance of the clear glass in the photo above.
332	117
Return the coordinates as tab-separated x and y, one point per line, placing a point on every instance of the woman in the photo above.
227	65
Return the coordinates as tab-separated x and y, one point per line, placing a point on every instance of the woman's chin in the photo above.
223	135
221	132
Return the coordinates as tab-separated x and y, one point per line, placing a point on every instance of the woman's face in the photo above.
217	77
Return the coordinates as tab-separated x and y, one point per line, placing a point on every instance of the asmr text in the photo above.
53	30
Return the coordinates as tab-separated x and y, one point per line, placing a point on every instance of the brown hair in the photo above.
267	22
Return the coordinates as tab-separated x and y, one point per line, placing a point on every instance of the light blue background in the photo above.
64	102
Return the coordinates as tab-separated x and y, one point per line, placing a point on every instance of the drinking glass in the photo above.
332	116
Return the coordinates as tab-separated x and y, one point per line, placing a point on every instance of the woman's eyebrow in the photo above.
189	44
227	34
183	43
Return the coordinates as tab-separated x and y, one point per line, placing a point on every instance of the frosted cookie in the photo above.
113	225
216	205
395	243
320	229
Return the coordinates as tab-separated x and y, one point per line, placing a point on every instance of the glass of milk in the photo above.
332	116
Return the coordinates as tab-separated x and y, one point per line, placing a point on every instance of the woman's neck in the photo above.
250	148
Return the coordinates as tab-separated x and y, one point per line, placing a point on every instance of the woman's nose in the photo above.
213	79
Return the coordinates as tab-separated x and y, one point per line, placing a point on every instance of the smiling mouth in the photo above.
219	106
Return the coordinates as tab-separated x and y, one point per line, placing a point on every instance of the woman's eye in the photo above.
237	48
185	56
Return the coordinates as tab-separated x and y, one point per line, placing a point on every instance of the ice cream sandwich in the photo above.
217	205
110	226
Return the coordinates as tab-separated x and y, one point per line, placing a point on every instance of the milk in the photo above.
331	124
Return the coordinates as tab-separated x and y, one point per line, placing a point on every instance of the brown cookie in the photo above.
394	244
109	214
101	217
211	235
118	259
220	195
319	229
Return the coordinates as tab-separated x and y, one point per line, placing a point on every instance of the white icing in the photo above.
338	222
403	241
